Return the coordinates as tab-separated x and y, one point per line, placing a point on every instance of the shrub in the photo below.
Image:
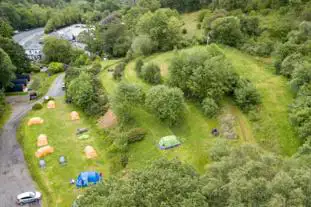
35	68
210	107
95	68
82	59
301	76
246	95
57	50
306	14
184	31
55	67
263	46
198	26
226	30
202	14
300	112
143	45
115	164
136	134
163	26
250	25
86	92
138	66
118	71
124	160
37	106
151	73
126	97
166	103
289	63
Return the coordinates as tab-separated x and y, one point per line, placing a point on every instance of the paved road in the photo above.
30	39
14	174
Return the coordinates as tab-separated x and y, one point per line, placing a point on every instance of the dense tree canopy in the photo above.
165	183
5	29
127	96
226	30
239	176
57	50
163	27
7	69
113	39
16	54
166	103
152	5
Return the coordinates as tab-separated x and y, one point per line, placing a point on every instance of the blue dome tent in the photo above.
86	178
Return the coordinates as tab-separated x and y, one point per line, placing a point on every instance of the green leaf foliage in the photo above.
151	73
163	27
16	54
57	50
226	30
166	103
7	69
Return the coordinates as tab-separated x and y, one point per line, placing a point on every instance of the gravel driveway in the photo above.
14	174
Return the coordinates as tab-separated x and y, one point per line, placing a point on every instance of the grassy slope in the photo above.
273	130
190	24
194	130
54	180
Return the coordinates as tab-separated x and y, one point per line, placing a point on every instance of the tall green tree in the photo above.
57	50
5	29
163	27
226	30
7	69
16	53
164	183
166	103
152	5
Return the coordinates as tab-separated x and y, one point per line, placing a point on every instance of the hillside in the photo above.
186	102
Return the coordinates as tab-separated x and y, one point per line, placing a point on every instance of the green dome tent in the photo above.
169	142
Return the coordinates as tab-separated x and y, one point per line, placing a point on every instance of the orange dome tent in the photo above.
51	105
35	121
43	151
90	152
74	116
42	140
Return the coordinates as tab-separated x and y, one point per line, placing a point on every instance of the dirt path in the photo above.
14	175
273	129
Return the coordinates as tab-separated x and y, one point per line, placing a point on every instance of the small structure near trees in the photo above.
169	142
35	121
90	152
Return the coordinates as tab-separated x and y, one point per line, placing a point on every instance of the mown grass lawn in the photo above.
61	131
273	131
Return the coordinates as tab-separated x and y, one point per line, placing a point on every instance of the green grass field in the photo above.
194	131
273	131
54	180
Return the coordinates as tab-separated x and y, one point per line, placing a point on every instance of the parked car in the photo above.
33	95
28	197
